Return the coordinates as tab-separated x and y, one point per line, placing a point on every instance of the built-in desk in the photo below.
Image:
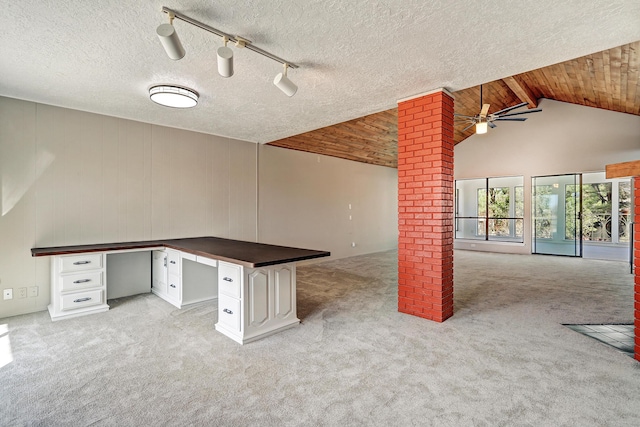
254	283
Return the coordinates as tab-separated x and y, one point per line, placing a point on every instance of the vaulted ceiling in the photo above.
609	80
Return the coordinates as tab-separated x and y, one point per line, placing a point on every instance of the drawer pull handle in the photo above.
82	299
172	262
226	310
82	281
172	285
228	279
81	262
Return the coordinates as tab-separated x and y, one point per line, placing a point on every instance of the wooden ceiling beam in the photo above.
623	170
521	90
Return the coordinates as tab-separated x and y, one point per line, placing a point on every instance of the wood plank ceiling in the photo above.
609	80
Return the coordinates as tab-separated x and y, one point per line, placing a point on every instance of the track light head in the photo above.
170	41
283	83
225	60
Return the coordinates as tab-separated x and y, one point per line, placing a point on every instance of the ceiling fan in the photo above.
484	119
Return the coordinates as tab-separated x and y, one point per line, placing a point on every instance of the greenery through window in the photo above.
519	210
545	203
498	215
624	211
598	218
490	209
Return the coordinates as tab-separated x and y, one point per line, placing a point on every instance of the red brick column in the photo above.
636	262
425	206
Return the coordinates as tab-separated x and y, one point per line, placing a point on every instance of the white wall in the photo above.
70	177
304	201
563	138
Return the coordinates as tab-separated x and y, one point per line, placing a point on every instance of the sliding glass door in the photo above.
557	212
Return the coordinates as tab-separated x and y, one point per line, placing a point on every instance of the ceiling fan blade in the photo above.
521	112
492	125
485	110
468	127
520	119
504	110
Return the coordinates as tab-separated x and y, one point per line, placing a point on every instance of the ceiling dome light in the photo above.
173	96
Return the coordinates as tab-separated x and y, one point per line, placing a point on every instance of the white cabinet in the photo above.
78	285
255	302
166	278
252	302
181	278
159	272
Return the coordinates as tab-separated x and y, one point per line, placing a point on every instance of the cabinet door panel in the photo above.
159	272
284	292
258	290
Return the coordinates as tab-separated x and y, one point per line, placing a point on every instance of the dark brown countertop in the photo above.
248	254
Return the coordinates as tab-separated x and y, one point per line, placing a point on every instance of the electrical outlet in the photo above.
353	244
22	292
7	293
33	291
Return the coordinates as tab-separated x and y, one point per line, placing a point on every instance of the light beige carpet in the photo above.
504	359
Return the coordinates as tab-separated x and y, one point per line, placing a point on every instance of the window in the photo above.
545	203
498	215
490	209
596	212
600	221
624	210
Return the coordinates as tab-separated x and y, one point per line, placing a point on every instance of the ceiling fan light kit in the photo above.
481	128
174	49
483	120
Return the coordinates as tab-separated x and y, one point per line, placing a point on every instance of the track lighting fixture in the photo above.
225	60
173	96
283	83
169	39
173	47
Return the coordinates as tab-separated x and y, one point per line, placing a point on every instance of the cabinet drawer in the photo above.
80	262
81	299
229	312
86	280
173	262
173	288
229	279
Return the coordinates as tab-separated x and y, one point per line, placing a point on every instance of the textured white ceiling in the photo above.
356	57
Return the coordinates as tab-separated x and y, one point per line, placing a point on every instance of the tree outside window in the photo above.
624	211
498	211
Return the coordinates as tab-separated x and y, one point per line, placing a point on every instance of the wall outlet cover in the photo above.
7	294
